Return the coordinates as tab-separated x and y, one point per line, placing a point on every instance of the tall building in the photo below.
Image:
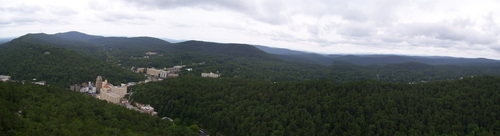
98	83
4	78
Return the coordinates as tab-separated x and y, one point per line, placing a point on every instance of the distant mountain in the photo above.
234	50
336	59
280	51
78	36
393	59
134	43
296	56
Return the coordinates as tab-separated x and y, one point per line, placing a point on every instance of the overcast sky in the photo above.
462	28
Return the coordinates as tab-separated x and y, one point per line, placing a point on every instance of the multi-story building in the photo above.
172	75
98	83
121	91
174	70
153	71
112	93
210	75
110	97
75	87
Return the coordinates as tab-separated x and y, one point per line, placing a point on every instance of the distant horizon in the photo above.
303	51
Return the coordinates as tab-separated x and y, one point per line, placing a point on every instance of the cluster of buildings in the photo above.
102	90
5	78
84	88
110	93
113	94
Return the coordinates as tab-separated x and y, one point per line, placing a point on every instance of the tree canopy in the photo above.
321	107
29	109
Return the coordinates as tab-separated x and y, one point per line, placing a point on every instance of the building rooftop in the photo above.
113	94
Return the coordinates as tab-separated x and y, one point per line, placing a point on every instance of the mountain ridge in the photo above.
373	59
281	53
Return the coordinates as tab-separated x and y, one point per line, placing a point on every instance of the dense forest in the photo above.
28	109
231	60
234	106
259	93
58	66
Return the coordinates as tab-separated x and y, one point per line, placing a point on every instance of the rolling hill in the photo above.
247	61
23	59
364	60
35	110
260	92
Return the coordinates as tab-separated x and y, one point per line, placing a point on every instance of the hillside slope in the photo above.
24	60
34	110
364	60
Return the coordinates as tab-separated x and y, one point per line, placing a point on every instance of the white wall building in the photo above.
163	74
210	75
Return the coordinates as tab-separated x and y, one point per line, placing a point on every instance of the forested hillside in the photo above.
322	107
26	61
33	110
246	61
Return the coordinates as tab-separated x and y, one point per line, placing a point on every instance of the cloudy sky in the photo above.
462	28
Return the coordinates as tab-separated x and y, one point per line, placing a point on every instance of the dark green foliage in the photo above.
25	61
246	61
322	107
40	110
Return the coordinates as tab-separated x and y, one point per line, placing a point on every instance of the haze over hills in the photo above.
367	59
286	92
4	40
247	61
149	43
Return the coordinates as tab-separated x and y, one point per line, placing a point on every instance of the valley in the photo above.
240	89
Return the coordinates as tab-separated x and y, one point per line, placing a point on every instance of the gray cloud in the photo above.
31	14
22	9
121	17
266	11
450	32
356	30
